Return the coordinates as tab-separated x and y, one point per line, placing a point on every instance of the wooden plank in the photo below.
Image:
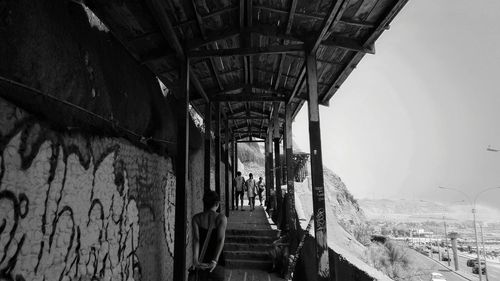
279	49
199	20
217	148
348	22
208	145
248	117
291	14
247	98
181	174
248	141
318	189
226	171
195	43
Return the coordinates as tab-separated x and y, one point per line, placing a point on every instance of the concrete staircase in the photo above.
248	238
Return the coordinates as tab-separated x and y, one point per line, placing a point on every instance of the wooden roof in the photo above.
249	54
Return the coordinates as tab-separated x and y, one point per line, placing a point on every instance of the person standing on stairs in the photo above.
211	226
239	183
251	191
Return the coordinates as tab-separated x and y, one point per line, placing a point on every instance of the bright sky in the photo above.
420	112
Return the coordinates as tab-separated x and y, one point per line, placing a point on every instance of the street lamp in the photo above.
473	205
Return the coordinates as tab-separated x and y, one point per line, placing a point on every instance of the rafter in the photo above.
247	98
161	17
247	51
334	15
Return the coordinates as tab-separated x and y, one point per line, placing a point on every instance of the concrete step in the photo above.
249	264
246	255
228	246
250	275
253	232
249	239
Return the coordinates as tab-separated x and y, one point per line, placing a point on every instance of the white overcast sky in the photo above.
421	111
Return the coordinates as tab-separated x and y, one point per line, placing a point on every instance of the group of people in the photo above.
209	228
252	188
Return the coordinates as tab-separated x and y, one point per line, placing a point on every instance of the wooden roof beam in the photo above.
248	117
248	51
160	15
247	98
334	15
292	13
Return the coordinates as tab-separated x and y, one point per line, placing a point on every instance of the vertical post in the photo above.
446	242
234	160
277	167
477	243
266	170
318	189
290	181
208	139
453	237
484	254
271	170
228	178
217	149
235	157
181	173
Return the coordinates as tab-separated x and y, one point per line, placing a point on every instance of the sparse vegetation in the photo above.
394	260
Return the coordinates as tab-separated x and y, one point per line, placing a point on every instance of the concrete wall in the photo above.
81	207
306	266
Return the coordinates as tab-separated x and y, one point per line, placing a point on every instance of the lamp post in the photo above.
473	205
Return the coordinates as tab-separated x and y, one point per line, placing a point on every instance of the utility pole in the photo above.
484	253
446	242
477	244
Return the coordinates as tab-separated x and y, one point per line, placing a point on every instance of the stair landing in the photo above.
249	236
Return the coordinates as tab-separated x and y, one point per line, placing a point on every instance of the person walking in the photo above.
260	189
251	191
239	183
209	233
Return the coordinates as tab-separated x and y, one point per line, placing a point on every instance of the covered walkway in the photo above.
245	68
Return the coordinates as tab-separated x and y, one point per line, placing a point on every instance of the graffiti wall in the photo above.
76	207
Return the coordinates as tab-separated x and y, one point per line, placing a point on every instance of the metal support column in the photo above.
318	189
181	173
228	177
217	147
208	142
